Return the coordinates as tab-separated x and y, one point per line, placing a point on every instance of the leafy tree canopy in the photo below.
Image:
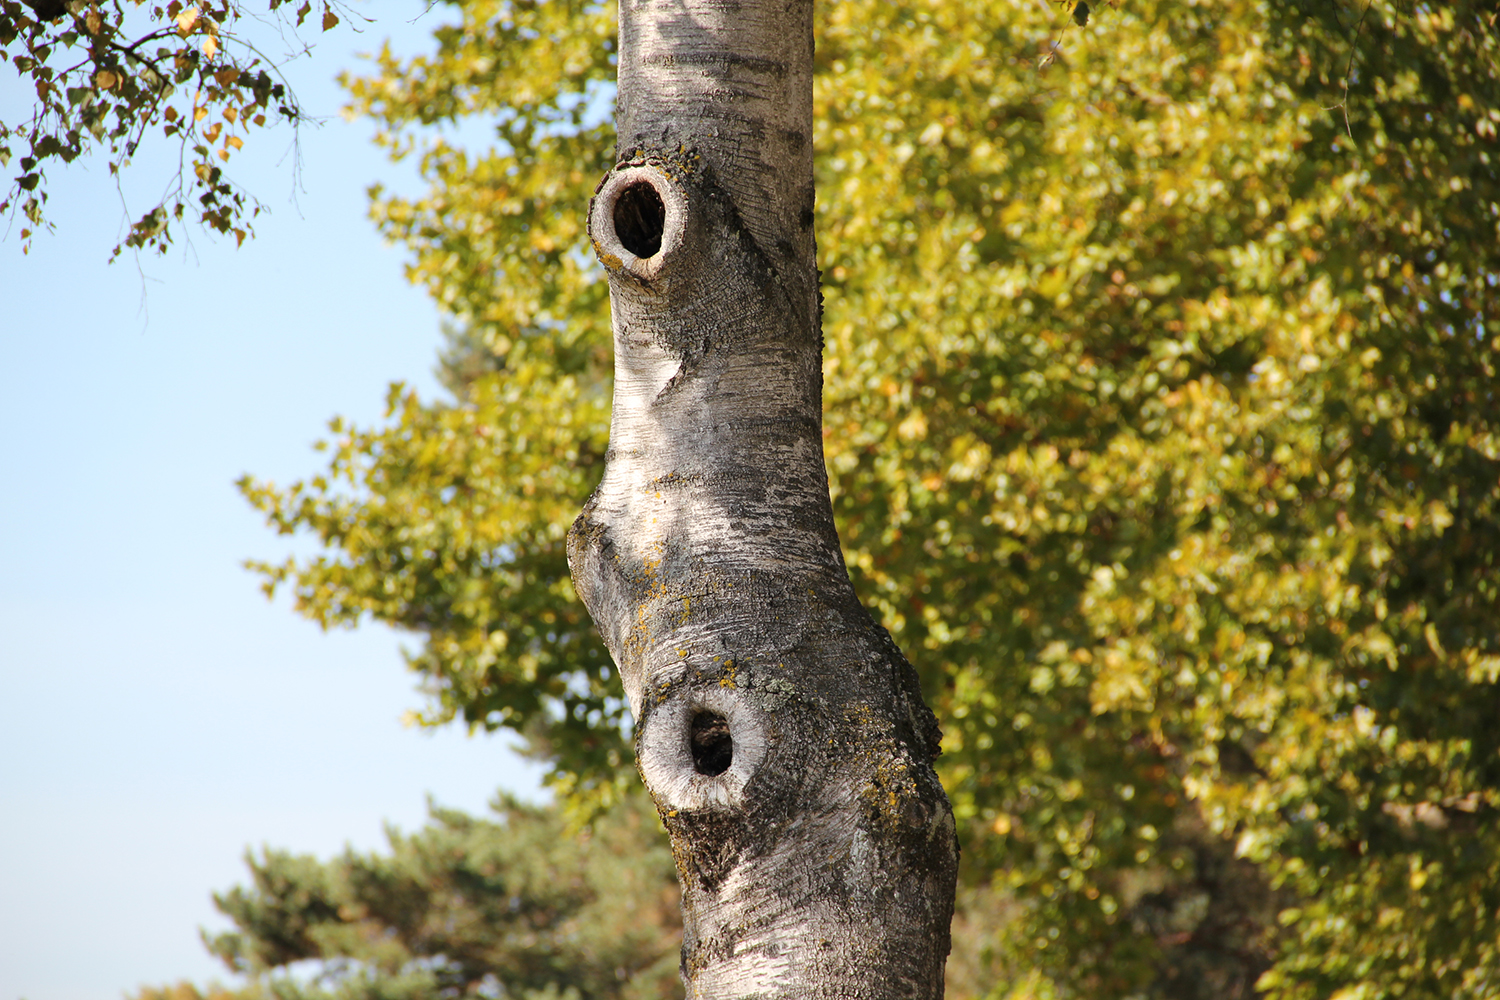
1162	431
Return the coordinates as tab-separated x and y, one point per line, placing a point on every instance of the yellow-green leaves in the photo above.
1122	434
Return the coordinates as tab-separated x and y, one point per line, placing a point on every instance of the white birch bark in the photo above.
779	729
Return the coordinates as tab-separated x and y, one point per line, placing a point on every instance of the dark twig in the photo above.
1349	66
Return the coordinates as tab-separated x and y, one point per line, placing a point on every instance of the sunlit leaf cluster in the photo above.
1161	428
114	75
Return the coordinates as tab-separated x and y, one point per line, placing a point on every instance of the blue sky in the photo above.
159	715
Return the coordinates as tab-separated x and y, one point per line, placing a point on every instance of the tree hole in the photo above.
708	737
640	218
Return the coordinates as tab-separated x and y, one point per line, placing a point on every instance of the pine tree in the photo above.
520	905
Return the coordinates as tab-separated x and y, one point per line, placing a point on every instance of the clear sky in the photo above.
157	714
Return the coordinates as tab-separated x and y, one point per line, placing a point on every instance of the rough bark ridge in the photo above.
779	729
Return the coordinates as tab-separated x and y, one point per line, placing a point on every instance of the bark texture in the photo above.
780	731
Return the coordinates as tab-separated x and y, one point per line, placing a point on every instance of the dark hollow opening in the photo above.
713	750
639	219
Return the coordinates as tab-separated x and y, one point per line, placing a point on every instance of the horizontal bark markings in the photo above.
723	58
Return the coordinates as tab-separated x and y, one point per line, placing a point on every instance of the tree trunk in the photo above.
779	729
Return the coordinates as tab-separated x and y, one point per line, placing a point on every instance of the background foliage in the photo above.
1161	430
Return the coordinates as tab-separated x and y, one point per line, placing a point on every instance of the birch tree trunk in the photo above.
779	729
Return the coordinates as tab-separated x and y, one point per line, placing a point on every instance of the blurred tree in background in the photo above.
1162	430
